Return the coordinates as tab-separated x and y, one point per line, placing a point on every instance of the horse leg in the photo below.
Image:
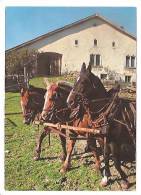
63	144
117	163
66	164
44	133
125	182
94	149
106	171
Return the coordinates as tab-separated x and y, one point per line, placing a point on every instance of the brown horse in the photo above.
32	102
121	132
79	118
55	100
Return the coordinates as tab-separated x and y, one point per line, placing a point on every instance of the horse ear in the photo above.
89	68
22	87
46	82
83	68
22	90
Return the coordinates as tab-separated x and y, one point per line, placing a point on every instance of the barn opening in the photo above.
49	63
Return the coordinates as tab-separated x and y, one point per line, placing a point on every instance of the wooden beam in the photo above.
59	127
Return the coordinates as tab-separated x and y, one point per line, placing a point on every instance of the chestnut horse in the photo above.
32	102
121	133
80	117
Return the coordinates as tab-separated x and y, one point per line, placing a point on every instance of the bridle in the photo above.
30	106
80	94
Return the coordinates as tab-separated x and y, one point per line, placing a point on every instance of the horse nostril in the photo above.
71	102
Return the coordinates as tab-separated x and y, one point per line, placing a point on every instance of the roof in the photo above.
117	27
52	54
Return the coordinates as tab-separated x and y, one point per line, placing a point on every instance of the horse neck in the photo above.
98	90
40	91
98	94
38	105
97	100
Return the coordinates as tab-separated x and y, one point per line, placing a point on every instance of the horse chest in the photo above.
84	123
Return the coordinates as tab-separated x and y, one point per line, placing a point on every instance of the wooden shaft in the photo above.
58	126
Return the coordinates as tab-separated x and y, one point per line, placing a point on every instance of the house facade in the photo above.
107	47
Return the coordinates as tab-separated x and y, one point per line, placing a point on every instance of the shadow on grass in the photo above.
11	122
17	96
49	158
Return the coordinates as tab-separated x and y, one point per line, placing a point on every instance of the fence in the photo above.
13	82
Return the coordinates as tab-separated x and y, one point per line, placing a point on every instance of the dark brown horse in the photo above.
120	137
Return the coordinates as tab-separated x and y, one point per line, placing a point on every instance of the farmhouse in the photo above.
108	47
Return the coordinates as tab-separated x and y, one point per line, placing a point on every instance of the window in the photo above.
113	44
97	60
76	42
95	42
127	79
92	59
127	61
132	61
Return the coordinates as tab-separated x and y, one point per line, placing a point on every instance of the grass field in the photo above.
23	173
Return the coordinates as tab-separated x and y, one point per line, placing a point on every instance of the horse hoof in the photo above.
104	182
36	158
125	185
63	171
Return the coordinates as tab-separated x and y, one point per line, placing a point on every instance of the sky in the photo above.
26	23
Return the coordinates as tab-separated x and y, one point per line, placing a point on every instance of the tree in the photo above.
16	60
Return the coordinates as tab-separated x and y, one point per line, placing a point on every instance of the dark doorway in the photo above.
103	76
49	63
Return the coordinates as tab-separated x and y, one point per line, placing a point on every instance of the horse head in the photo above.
31	100
55	97
51	98
87	85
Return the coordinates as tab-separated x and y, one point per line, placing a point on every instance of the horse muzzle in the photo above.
26	121
28	118
70	104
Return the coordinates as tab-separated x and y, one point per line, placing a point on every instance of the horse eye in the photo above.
58	95
26	106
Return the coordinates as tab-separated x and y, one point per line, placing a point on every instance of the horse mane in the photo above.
99	84
113	90
67	86
37	89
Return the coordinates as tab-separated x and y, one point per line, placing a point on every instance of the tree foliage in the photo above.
16	60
